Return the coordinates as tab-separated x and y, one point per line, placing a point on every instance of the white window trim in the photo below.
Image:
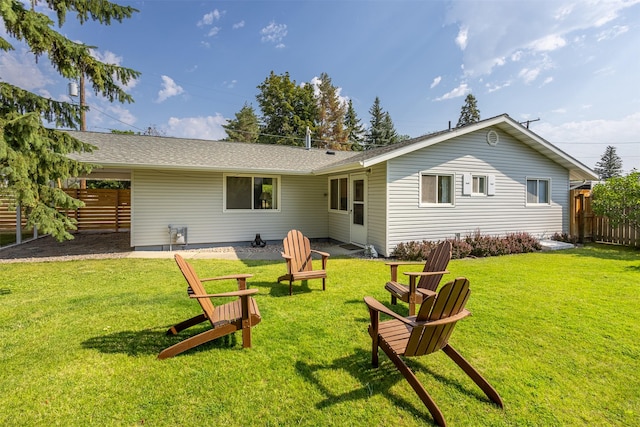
277	178
526	191
337	211
489	184
437	205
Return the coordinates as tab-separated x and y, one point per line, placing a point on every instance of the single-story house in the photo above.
494	176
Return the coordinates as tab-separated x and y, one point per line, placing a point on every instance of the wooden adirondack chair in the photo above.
240	314
423	334
434	267
297	253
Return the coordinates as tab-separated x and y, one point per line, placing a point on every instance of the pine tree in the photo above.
354	128
33	157
375	133
381	130
469	112
245	127
330	129
610	164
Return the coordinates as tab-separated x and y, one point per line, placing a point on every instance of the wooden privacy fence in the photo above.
104	209
588	227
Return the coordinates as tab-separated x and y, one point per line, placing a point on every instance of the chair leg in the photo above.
394	300
473	374
290	287
414	383
186	324
246	337
196	340
323	284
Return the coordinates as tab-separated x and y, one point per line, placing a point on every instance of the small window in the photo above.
251	193
479	185
537	191
338	200
436	189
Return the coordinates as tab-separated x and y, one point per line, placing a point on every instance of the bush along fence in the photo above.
472	245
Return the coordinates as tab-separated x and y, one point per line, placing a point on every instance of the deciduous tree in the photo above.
33	157
618	199
287	109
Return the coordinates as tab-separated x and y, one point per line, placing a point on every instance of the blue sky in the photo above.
574	65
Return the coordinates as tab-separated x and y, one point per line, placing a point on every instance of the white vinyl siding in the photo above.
506	166
195	200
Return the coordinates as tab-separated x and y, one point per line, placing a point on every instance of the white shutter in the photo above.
491	185
466	184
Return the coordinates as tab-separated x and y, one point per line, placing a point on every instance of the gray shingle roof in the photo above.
141	151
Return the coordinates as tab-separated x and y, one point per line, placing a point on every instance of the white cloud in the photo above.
209	127
274	33
213	31
238	25
462	37
20	69
548	43
435	82
528	75
546	81
461	90
495	87
107	57
209	18
612	32
169	89
587	140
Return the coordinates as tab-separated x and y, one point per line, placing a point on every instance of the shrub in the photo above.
564	237
475	245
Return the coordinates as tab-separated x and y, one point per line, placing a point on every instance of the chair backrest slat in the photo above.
297	246
450	300
437	260
195	285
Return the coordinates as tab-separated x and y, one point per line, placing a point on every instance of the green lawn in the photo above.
556	333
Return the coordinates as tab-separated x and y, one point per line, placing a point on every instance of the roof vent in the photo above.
331	152
492	138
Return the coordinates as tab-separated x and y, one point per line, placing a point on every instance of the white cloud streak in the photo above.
169	89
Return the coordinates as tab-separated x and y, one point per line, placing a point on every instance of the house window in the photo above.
479	185
251	192
338	199
538	191
436	189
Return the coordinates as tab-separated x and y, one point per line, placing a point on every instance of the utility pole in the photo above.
526	123
83	123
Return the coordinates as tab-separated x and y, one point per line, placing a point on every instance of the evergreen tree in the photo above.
610	164
32	156
381	130
287	110
245	127
375	133
469	112
330	129
390	134
354	128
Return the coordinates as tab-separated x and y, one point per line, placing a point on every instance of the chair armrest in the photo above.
229	277
451	319
375	305
425	273
394	267
397	263
322	254
227	294
285	256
